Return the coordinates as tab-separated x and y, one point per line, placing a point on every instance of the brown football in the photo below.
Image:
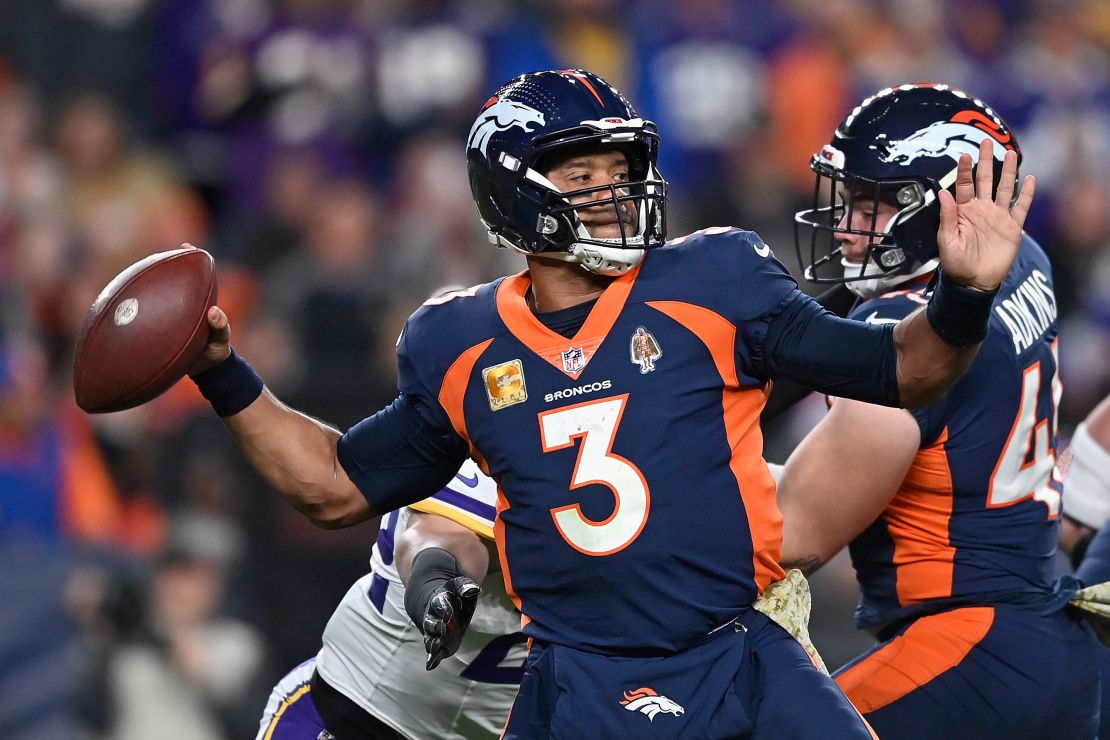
144	330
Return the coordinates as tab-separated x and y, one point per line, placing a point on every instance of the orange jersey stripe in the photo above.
548	344
499	539
927	649
741	409
917	521
451	395
453	391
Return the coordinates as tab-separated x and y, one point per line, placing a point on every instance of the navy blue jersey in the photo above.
635	509
976	518
1095	567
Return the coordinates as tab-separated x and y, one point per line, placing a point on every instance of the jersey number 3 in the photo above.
594	424
1024	469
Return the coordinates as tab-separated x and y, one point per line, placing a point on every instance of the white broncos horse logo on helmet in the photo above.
502	116
648	701
943	138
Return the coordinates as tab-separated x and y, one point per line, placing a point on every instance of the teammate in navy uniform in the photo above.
636	518
951	510
1085	534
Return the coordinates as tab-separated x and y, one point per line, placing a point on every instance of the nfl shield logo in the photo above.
574	359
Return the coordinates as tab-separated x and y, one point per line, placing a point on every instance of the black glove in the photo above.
440	601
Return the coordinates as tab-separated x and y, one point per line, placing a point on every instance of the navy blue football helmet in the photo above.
532	120
900	146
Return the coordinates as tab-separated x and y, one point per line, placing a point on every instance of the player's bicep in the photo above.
841	477
786	393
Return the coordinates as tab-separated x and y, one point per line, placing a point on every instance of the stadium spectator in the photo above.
164	662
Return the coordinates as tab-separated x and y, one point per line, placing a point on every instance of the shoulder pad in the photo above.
889	308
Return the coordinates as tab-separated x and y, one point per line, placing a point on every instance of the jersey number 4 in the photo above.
1024	470
594	425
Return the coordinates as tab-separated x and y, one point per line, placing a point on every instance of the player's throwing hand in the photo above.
978	237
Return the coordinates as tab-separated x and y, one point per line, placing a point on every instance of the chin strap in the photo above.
871	287
607	261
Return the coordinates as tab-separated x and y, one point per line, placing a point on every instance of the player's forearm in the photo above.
1083	468
805	544
804	496
798	553
936	344
296	455
841	477
927	365
430	530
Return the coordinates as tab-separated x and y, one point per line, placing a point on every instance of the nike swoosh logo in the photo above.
874	319
763	251
471	482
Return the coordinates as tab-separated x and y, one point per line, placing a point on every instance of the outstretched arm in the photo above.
293	452
978	240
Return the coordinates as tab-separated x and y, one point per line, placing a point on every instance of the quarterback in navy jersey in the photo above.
613	392
951	511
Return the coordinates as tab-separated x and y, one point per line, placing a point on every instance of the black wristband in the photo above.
431	568
230	386
959	315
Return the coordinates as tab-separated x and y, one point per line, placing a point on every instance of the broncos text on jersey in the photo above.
614	447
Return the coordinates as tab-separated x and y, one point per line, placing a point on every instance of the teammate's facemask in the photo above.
539	118
901	147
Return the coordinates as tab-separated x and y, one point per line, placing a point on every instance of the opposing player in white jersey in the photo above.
369	678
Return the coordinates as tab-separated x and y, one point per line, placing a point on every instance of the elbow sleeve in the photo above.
841	357
396	457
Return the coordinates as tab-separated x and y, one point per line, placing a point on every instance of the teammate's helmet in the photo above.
901	147
544	113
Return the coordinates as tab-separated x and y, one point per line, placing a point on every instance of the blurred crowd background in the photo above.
315	147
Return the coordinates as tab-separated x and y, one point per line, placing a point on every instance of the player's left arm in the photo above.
441	563
914	363
1086	482
475	554
978	239
841	477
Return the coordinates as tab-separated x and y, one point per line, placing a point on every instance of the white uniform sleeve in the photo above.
469	499
1087	486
